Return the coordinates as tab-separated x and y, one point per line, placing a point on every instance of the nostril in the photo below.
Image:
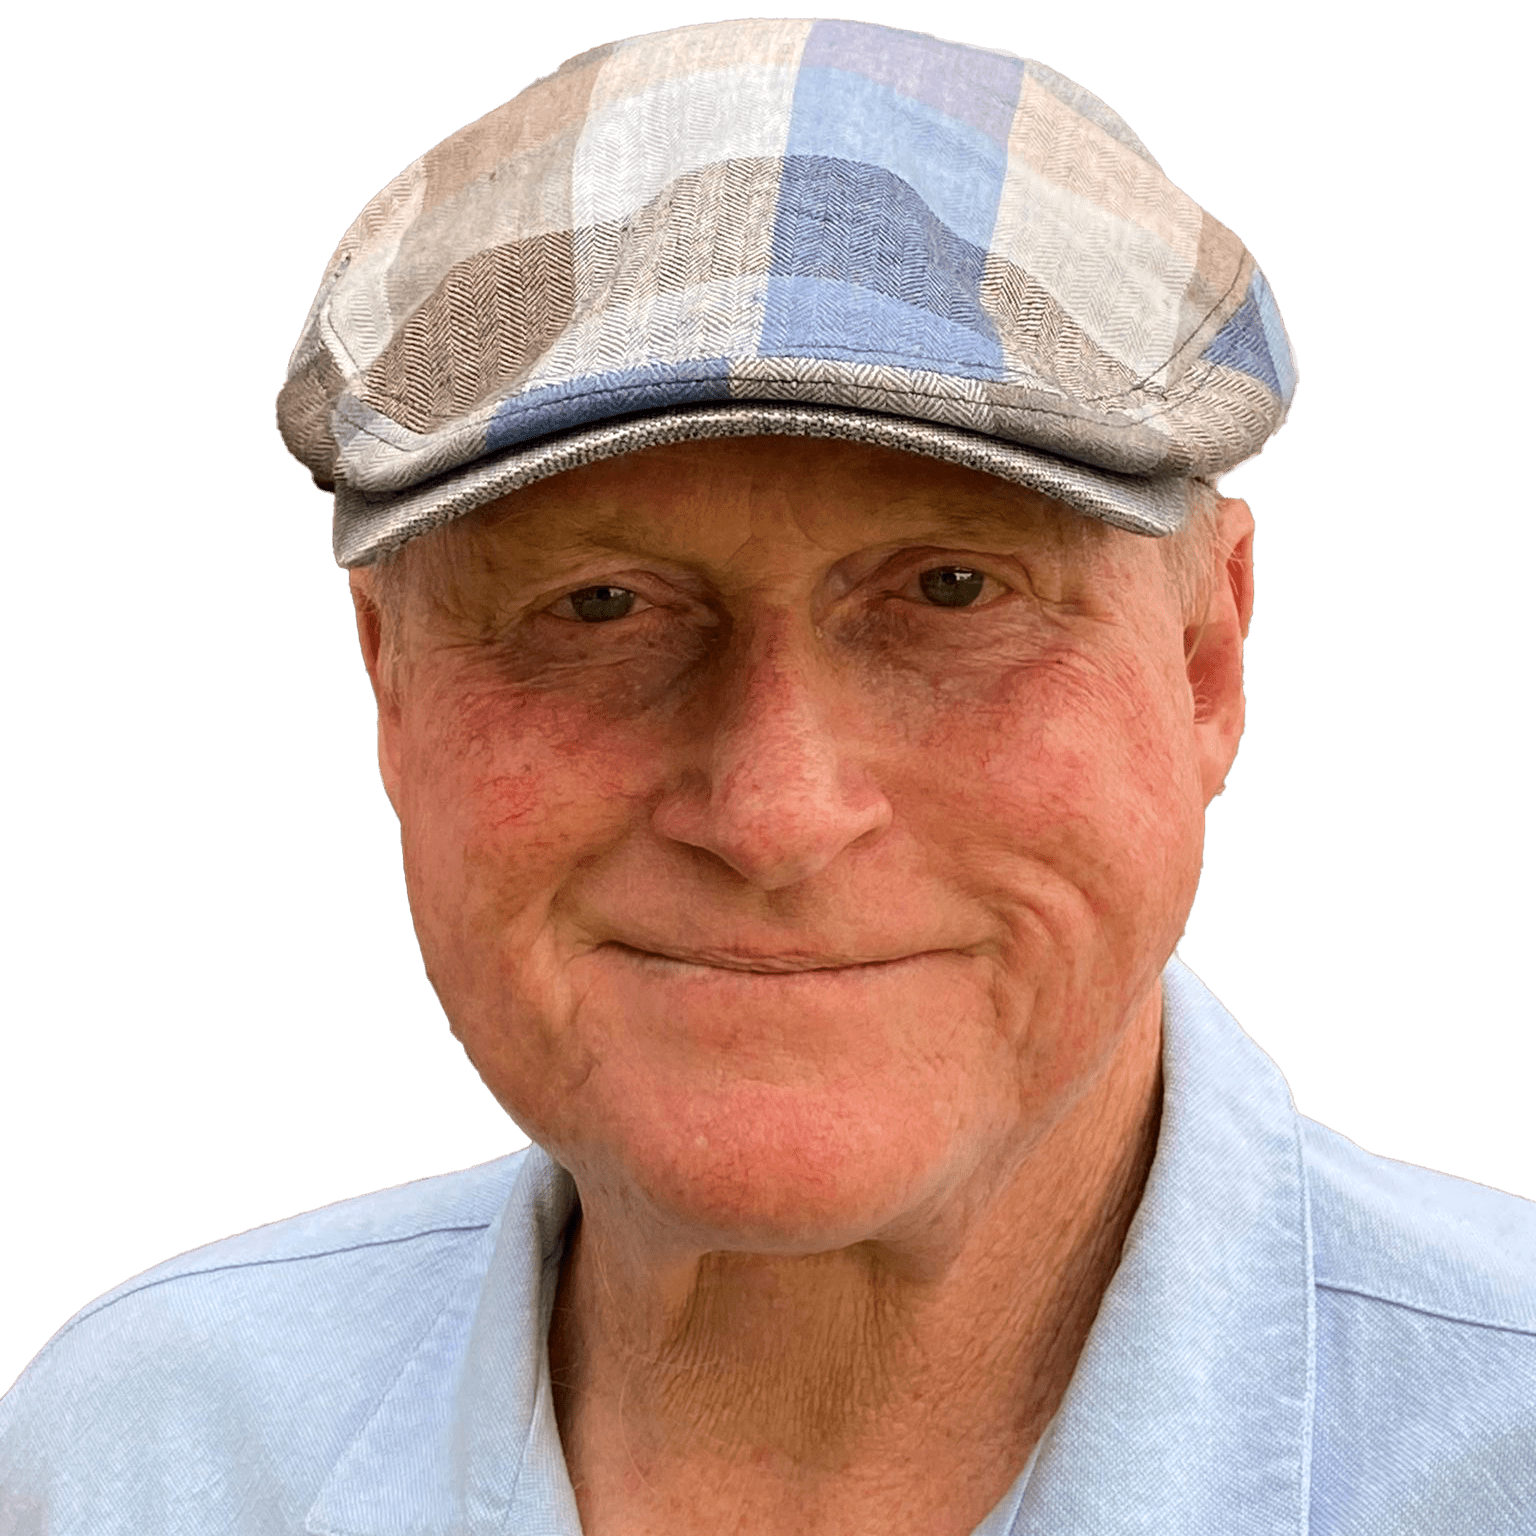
775	818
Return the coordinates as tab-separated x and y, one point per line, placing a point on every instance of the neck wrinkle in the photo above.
831	1368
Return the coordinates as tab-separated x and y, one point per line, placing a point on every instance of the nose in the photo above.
779	785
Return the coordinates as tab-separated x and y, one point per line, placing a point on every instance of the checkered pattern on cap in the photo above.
800	227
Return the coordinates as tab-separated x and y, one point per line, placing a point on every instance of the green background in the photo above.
217	1014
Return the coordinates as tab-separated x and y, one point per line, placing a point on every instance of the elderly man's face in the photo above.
794	829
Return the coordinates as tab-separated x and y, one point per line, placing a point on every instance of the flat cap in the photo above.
797	228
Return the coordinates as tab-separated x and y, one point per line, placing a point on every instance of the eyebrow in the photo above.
989	520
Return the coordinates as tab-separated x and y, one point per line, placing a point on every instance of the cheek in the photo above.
1080	778
504	792
1065	801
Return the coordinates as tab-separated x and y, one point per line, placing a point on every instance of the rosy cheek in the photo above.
524	767
1064	755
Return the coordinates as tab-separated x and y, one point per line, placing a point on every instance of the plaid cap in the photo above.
802	228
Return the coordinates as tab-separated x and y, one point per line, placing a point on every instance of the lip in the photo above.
763	963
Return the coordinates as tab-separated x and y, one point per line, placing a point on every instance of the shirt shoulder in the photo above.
1415	1238
239	1371
1425	1360
464	1201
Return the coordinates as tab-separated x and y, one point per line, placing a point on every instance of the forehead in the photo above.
760	501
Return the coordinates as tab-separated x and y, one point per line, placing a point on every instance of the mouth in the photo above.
757	963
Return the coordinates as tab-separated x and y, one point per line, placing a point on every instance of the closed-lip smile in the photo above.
763	963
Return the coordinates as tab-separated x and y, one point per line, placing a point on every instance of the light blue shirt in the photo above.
1301	1340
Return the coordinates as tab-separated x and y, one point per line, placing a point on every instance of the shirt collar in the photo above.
1192	1398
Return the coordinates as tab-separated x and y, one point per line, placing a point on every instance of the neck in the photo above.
899	1377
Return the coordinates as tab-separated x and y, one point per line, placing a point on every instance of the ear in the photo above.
370	637
1213	648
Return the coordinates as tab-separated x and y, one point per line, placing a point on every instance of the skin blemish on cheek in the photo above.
509	799
515	763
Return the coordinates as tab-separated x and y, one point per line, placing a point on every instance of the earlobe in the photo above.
1214	649
370	639
388	772
369	634
1235	522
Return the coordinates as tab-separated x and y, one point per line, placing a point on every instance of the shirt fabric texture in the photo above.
1301	1339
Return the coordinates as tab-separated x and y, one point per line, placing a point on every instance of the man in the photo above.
775	463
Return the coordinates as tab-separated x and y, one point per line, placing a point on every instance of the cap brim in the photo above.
365	528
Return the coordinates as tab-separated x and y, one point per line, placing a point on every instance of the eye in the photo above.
598	605
952	586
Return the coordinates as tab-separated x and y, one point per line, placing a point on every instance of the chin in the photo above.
765	1168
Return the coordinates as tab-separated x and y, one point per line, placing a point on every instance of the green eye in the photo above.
952	586
596	605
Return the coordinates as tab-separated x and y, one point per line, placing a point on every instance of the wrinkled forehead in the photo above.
740	502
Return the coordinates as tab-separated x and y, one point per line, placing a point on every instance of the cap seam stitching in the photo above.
1162	401
364	429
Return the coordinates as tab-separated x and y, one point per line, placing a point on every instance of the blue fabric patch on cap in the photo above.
599	396
953	168
957	170
968	84
1274	334
830	263
808	317
1243	343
